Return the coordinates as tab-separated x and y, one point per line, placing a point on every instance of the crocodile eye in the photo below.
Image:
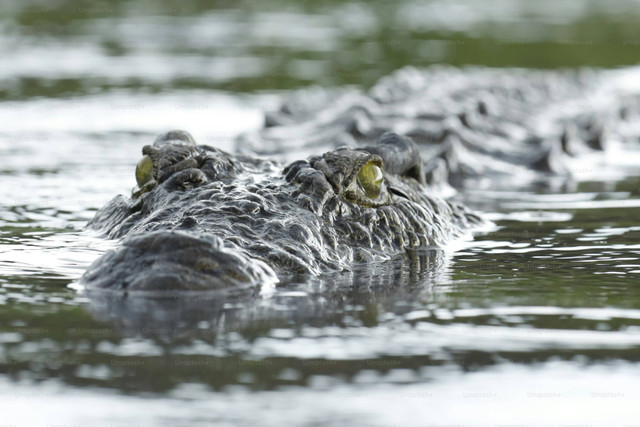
370	179
144	169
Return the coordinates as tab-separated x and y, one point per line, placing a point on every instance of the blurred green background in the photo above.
72	47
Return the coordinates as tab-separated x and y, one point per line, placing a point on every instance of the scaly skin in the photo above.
469	125
209	220
204	219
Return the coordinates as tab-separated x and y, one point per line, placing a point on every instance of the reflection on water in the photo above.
361	292
556	394
552	289
531	314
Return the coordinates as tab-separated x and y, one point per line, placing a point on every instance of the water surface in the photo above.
538	314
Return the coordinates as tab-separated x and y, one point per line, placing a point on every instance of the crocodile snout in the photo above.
177	261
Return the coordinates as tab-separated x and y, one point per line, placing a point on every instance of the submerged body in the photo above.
204	219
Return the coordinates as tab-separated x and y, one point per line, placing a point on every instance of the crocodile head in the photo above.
203	219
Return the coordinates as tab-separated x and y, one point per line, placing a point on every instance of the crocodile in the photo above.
471	125
374	185
203	219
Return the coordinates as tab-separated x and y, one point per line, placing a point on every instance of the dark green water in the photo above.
535	321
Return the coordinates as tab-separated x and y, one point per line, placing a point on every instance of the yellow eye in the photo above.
144	170
370	179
